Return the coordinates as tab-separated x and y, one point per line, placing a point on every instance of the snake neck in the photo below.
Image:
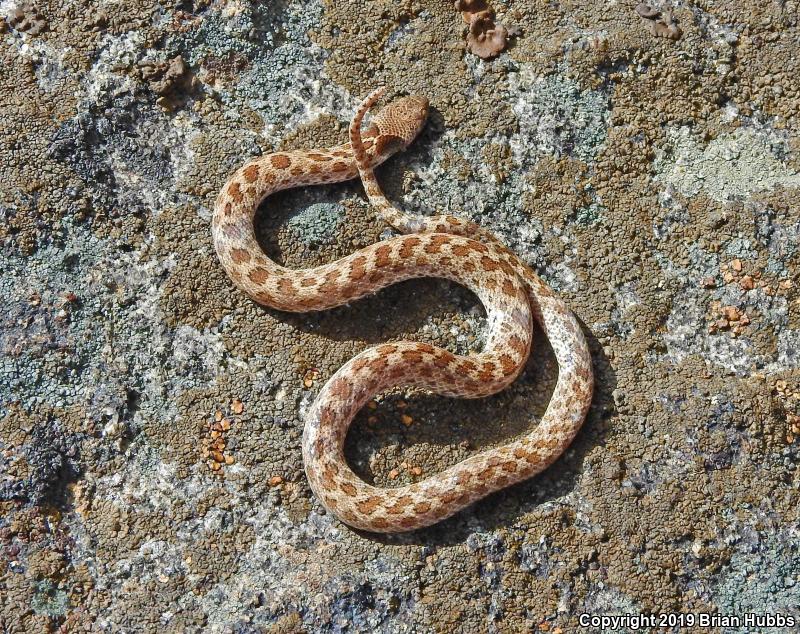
232	225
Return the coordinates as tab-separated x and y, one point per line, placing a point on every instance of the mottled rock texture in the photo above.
150	416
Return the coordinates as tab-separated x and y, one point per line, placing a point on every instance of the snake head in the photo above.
397	124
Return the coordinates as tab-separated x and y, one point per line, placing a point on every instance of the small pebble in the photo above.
731	313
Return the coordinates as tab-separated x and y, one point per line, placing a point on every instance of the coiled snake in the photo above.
438	246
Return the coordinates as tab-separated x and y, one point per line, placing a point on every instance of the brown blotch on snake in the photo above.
250	173
258	275
280	161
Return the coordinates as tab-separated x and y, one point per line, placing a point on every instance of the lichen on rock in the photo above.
151	415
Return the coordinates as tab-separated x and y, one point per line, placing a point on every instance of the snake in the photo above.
441	246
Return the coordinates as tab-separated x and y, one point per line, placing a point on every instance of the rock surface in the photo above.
151	477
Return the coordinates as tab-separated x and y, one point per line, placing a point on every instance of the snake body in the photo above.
438	246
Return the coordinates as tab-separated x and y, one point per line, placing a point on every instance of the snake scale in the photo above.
438	246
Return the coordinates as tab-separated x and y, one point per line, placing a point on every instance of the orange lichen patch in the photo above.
358	267
214	444
409	244
281	161
310	375
728	318
275	480
258	275
369	505
240	256
251	173
235	192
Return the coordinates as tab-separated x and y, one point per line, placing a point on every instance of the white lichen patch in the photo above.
556	117
732	166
